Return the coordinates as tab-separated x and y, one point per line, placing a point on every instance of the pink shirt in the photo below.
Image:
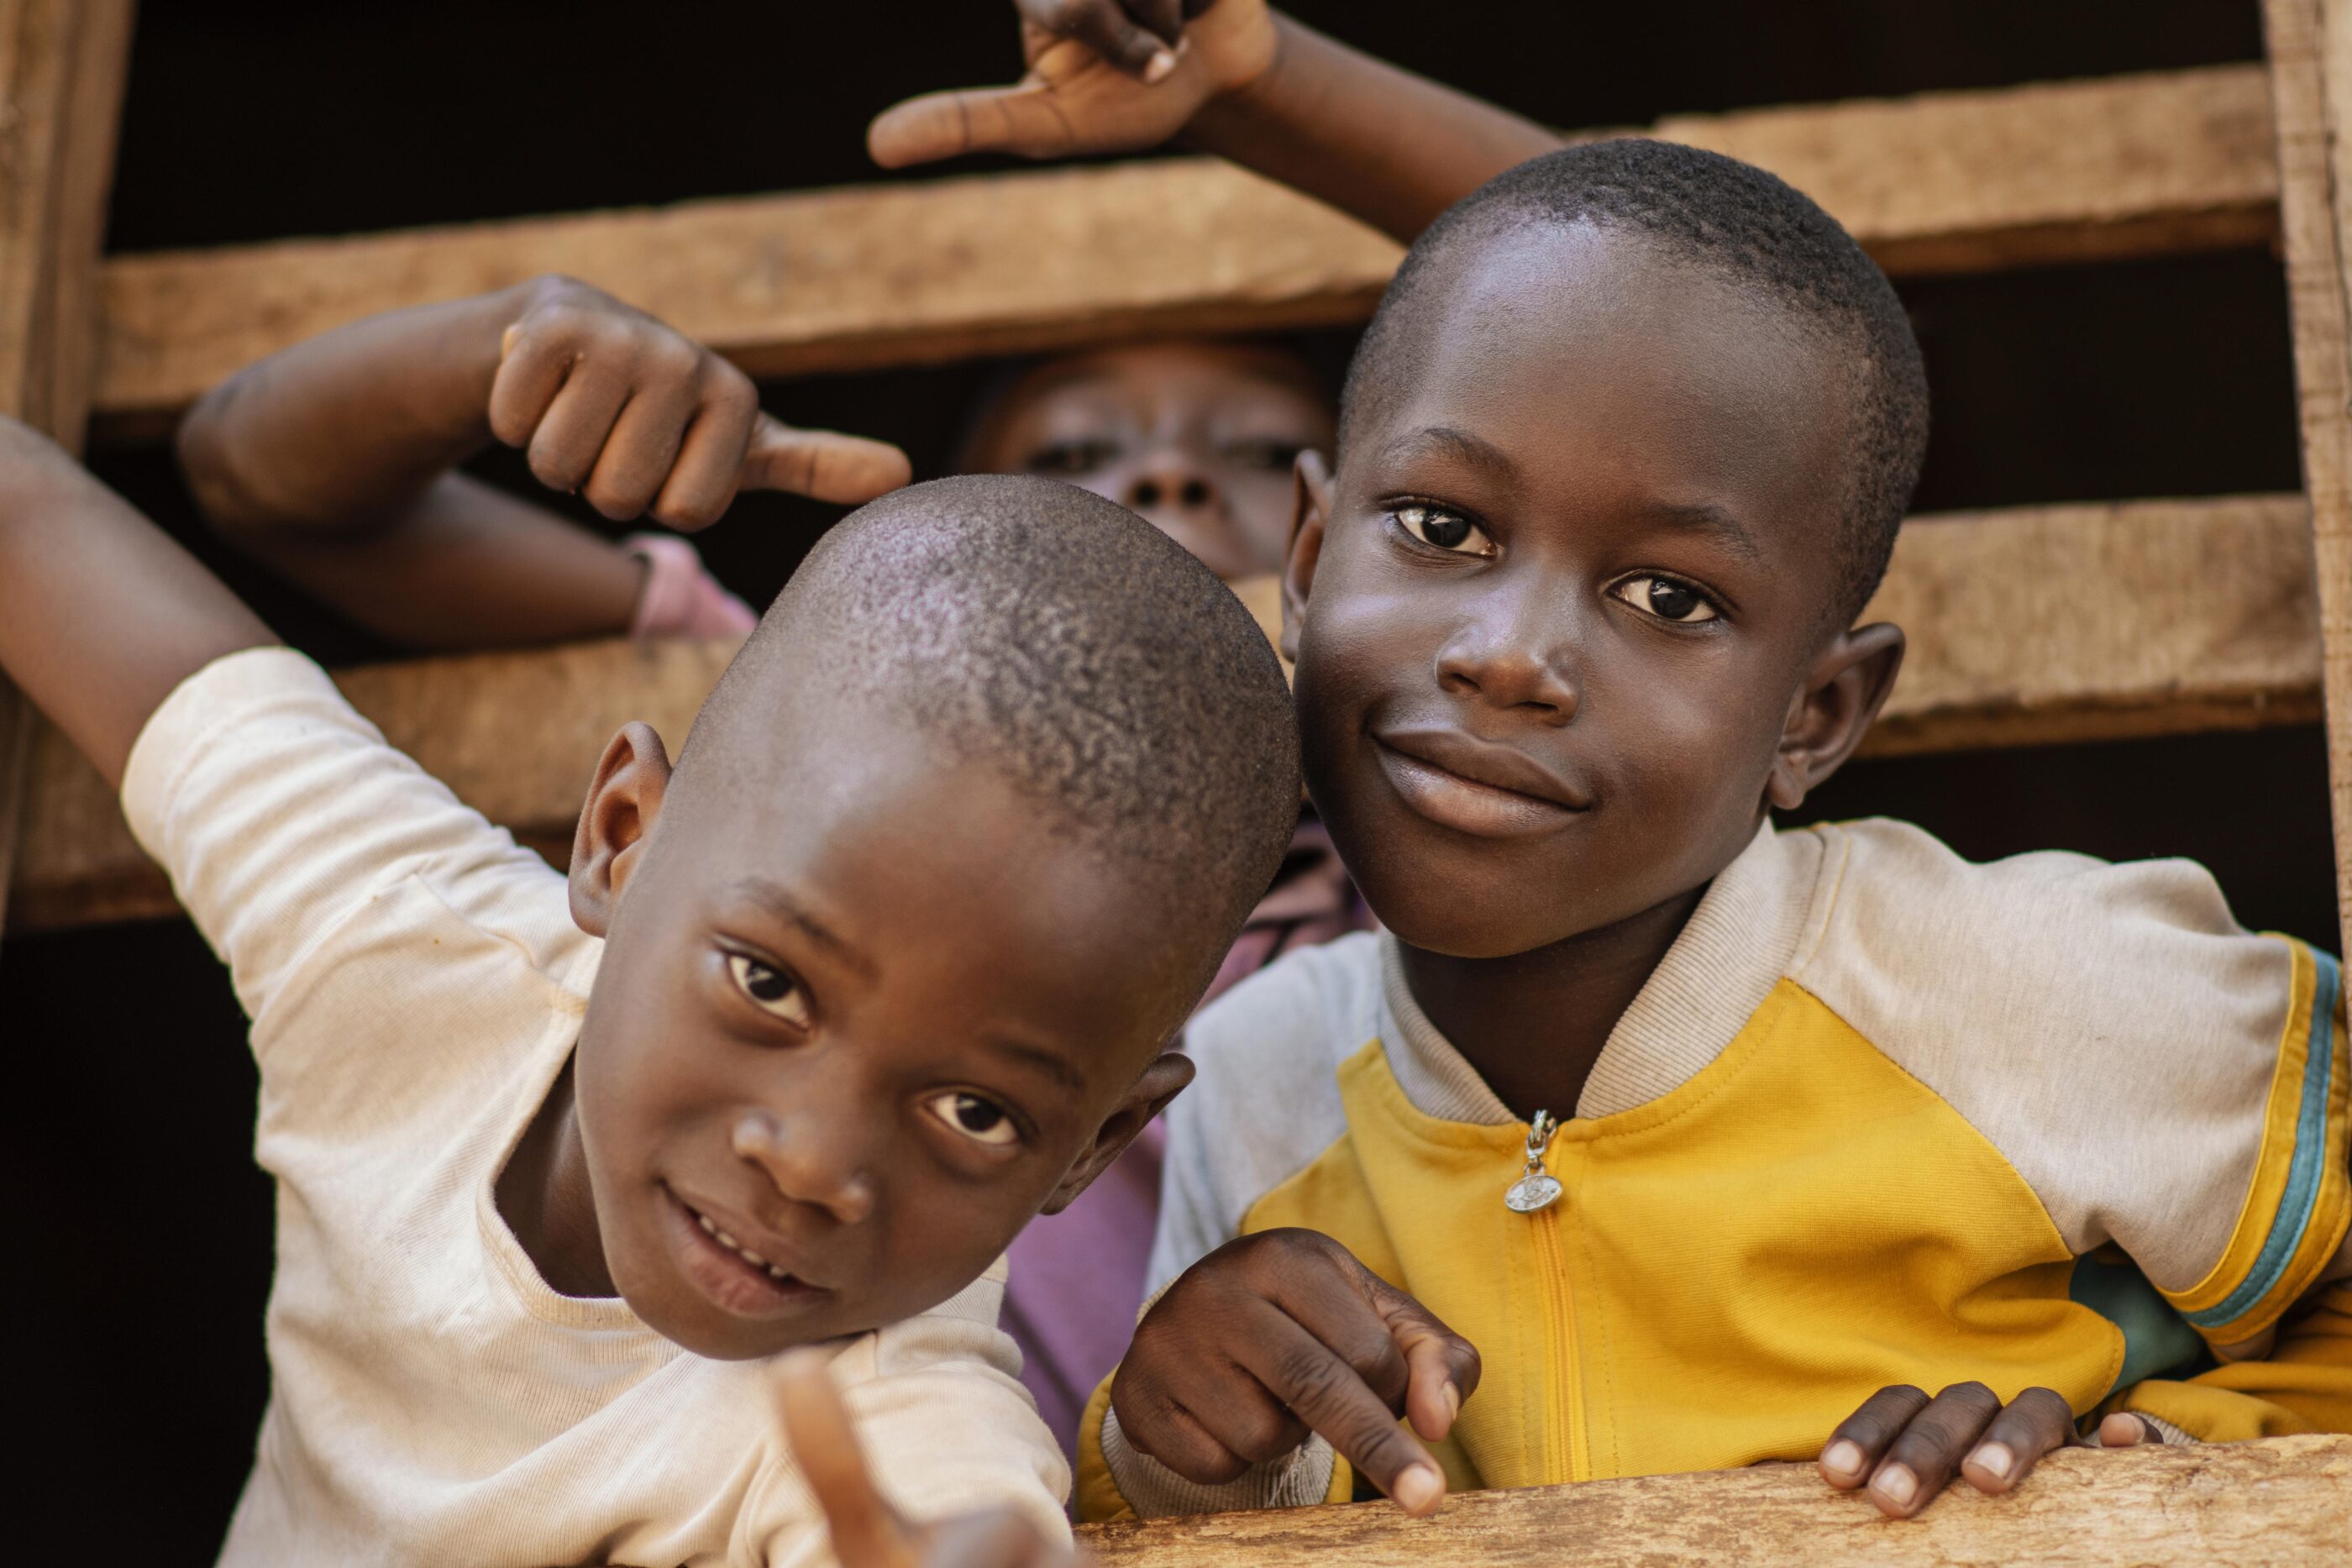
1077	1276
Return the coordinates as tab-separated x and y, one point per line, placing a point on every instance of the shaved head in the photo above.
1055	639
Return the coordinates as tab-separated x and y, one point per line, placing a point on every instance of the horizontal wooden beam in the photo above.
2279	1501
2028	626
913	272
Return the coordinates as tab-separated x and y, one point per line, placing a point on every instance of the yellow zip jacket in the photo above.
1881	1115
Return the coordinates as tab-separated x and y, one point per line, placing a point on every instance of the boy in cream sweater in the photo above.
824	1011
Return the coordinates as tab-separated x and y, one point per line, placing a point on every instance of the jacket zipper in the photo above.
1535	1194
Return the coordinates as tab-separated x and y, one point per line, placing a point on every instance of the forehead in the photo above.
1201	374
1592	357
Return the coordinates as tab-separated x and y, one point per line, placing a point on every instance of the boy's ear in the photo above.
1162	1082
1834	709
1310	511
623	801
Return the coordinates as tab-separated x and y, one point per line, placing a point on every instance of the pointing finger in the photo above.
1334	1400
867	1530
1441	1367
823	465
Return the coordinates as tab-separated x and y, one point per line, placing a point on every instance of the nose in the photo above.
1169	480
1515	654
807	1163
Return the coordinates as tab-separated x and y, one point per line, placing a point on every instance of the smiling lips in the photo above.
736	1278
1474	786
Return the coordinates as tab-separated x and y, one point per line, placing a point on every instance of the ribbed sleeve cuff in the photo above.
1154	1491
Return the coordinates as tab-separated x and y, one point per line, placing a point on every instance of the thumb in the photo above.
2122	1429
1442	1368
867	1530
823	465
1020	118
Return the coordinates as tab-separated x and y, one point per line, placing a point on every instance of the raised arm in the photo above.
102	615
1235	78
333	461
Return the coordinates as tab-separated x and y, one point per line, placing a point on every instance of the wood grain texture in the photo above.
2278	1501
61	68
922	272
2311	81
2048	624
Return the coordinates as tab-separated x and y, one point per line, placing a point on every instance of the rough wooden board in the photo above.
2278	1501
2311	74
2060	623
2100	621
61	68
916	272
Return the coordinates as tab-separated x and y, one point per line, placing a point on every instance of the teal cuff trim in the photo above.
2305	1168
2156	1342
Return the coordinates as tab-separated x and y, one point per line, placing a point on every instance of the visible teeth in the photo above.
737	1248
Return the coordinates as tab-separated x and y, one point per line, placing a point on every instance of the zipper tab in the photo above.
1537	1188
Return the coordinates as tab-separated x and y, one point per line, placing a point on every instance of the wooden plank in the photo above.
2059	624
2311	79
922	272
2279	1501
61	70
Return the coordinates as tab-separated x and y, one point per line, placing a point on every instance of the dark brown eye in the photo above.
770	989
1072	458
982	1120
1273	457
1443	530
1666	599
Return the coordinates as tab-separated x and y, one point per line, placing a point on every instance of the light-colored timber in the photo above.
948	269
2281	1503
2311	77
2029	626
61	68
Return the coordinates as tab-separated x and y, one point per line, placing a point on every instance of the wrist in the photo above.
1248	89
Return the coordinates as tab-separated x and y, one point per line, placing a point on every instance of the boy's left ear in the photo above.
624	799
1842	693
1162	1082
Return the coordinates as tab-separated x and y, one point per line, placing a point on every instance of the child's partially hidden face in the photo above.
891	957
1567	615
1196	437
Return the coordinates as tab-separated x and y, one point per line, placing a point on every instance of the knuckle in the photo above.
1311	1377
1970	1392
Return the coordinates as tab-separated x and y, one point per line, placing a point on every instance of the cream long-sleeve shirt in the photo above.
415	984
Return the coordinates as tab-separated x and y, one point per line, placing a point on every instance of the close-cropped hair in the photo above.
1742	224
1050	635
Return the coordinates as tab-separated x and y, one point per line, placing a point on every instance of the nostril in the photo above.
1147	492
1194	494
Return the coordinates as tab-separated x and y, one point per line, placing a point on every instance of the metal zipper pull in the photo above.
1537	1188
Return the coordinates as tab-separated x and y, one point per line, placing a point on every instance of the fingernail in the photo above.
1418	1489
1995	1461
1898	1485
1157	67
1452	1402
1844	1456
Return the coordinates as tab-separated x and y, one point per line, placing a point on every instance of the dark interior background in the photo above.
141	1285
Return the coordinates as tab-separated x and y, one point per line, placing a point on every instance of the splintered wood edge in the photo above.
2205	617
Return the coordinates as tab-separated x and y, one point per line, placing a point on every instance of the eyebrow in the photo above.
1712	522
1442	440
778	901
1052	1065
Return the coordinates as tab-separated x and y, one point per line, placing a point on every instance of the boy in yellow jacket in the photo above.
1699	1131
